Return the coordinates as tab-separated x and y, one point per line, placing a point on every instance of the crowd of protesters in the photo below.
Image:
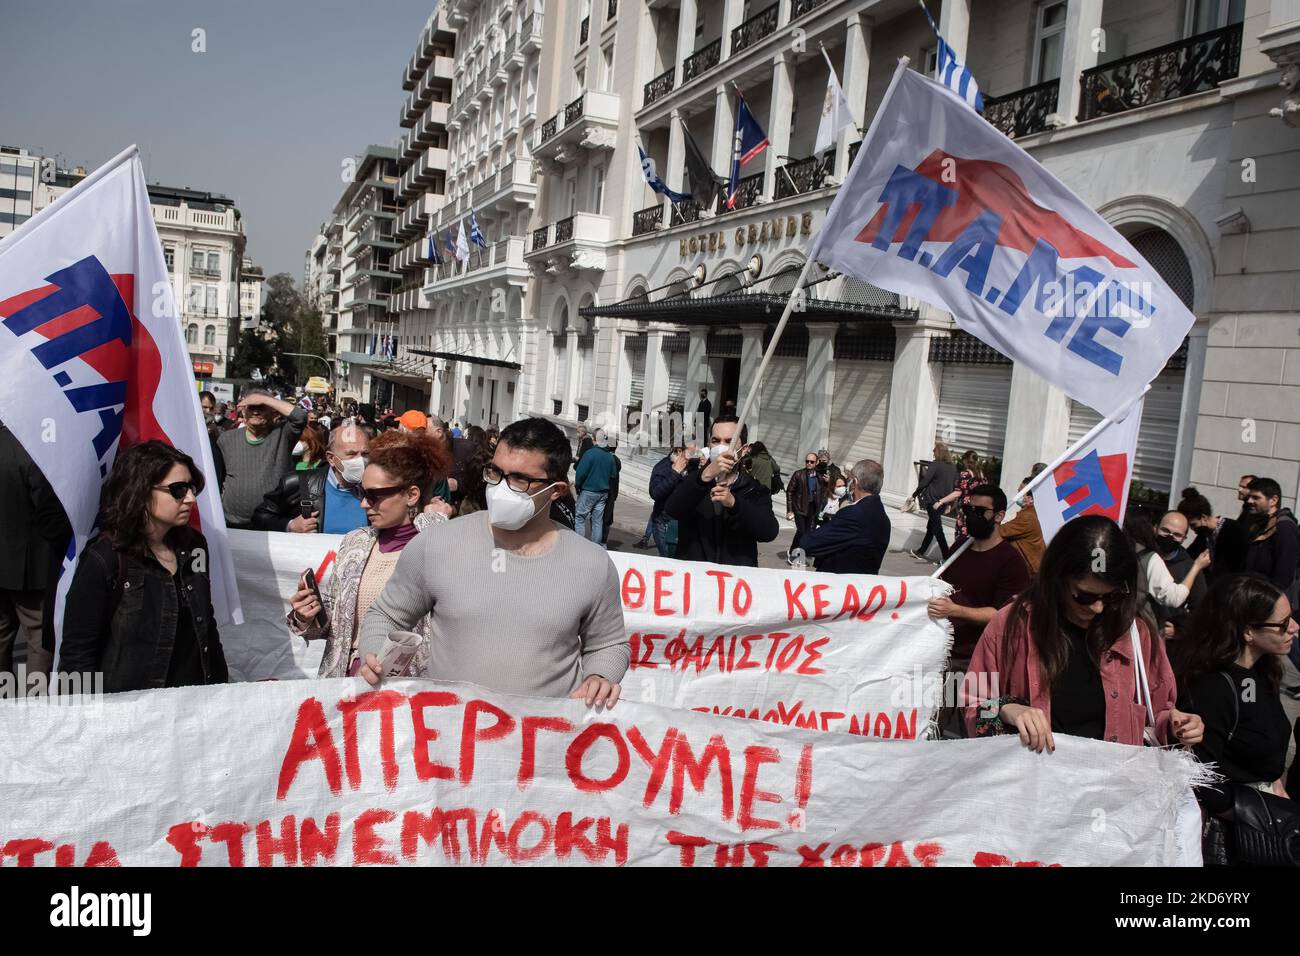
1204	606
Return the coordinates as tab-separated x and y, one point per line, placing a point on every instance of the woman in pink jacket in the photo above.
1059	658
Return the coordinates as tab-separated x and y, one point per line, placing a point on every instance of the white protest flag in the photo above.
92	358
836	112
942	206
462	243
843	653
331	772
1094	480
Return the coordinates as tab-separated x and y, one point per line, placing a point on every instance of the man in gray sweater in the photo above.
519	604
258	455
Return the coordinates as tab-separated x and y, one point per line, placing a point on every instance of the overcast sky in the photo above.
285	91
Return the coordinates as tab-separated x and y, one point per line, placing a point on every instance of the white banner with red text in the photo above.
848	653
331	772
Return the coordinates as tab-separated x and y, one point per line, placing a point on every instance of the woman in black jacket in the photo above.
1228	665
939	481
139	608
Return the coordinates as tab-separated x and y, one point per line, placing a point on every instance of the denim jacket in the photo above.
122	614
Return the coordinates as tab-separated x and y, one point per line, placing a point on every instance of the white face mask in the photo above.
841	491
716	451
510	510
352	469
299	448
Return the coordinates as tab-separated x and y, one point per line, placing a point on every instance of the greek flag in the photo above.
953	74
475	236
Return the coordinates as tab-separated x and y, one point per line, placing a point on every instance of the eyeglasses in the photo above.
378	495
492	475
970	511
811	461
1280	626
179	489
1109	599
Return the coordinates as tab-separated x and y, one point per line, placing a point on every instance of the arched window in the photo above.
191	334
210	335
1168	259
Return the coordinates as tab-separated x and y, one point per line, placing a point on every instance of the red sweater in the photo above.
1020	678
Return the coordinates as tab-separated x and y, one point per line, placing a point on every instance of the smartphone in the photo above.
309	577
308	507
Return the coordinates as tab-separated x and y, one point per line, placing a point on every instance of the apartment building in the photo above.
1157	113
364	329
251	281
20	174
203	242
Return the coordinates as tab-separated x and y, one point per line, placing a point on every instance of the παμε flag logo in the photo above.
85	313
1092	485
978	207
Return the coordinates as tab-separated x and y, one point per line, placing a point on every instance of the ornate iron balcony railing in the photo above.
1188	66
762	24
799	7
688	211
645	220
748	191
573	111
660	86
800	176
539	238
549	128
702	60
564	230
1024	111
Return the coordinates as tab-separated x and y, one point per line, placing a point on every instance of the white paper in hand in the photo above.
399	647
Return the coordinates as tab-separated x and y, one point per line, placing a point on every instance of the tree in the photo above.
304	334
251	351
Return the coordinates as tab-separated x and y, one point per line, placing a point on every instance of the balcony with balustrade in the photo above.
530	34
1174	70
756	28
439	77
573	244
1025	111
659	87
647	220
502	260
431	164
589	122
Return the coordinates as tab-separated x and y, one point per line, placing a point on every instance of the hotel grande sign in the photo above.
756	233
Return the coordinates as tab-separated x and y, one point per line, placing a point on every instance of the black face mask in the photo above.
1166	544
979	527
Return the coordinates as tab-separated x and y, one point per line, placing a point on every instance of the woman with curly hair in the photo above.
139	608
1060	657
969	477
397	496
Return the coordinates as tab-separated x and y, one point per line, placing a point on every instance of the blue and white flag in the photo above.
433	250
941	206
475	236
93	360
957	77
750	141
951	72
655	182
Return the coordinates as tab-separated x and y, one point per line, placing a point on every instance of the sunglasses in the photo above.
179	489
1110	599
1280	626
378	495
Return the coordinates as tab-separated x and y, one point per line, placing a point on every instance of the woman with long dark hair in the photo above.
1060	657
1229	669
969	477
139	607
397	486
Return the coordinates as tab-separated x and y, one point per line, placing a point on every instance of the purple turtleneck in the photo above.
395	539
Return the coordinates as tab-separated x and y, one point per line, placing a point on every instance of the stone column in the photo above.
733	15
685	35
675	174
751	356
778	126
1038	426
913	404
853	78
654	388
818	386
1189	412
571	383
1078	53
697	374
724	130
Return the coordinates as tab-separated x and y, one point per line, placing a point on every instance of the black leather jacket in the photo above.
283	503
122	614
